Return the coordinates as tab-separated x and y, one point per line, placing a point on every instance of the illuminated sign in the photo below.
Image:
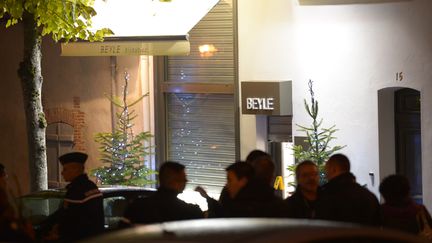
259	104
267	98
127	48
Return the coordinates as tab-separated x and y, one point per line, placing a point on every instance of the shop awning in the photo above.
142	27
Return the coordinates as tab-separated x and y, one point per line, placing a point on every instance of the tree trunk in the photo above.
31	84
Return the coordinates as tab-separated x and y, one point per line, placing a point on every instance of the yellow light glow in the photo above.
207	50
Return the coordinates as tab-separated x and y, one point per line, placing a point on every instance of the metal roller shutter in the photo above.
201	136
201	124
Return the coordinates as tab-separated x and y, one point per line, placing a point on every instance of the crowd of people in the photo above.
248	192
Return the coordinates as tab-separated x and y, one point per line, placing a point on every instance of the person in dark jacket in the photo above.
238	189
164	205
264	169
343	199
82	214
302	203
399	211
248	196
263	165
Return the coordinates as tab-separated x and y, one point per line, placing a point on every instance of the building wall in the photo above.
13	145
77	84
351	52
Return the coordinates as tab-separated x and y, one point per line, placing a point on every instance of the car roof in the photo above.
105	189
50	193
255	230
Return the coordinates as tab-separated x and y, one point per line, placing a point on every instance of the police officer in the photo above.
82	213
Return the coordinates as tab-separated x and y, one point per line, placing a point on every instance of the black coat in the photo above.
296	206
82	213
163	206
256	199
343	199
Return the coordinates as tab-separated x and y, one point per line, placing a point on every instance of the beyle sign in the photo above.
260	104
271	98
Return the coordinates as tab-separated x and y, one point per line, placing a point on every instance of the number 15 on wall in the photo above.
399	76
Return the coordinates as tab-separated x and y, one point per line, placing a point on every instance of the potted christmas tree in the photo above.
123	153
317	138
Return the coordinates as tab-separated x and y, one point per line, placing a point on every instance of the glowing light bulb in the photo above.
207	50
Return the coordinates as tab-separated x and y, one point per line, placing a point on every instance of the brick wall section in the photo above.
74	117
79	118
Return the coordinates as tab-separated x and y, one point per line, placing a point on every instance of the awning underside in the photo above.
142	27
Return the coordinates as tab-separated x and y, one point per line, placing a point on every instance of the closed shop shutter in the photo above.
217	66
201	135
200	101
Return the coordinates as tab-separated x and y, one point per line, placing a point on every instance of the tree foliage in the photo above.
62	19
122	152
317	138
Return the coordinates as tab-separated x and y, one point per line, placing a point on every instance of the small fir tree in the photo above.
317	138
122	152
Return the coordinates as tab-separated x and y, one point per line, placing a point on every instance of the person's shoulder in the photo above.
194	207
290	203
257	190
188	206
363	192
82	181
329	190
363	189
331	186
83	189
194	211
295	196
88	187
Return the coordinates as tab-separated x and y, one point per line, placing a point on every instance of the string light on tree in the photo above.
122	152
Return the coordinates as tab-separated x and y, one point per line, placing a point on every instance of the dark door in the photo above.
408	139
59	139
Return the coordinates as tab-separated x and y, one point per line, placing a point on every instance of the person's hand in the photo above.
202	192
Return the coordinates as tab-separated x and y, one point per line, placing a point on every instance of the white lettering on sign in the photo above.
259	104
110	49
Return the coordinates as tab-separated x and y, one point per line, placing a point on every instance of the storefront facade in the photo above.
361	56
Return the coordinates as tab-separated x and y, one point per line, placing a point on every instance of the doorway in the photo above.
60	140
408	139
400	152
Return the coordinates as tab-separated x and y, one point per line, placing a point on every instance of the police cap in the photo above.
74	157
